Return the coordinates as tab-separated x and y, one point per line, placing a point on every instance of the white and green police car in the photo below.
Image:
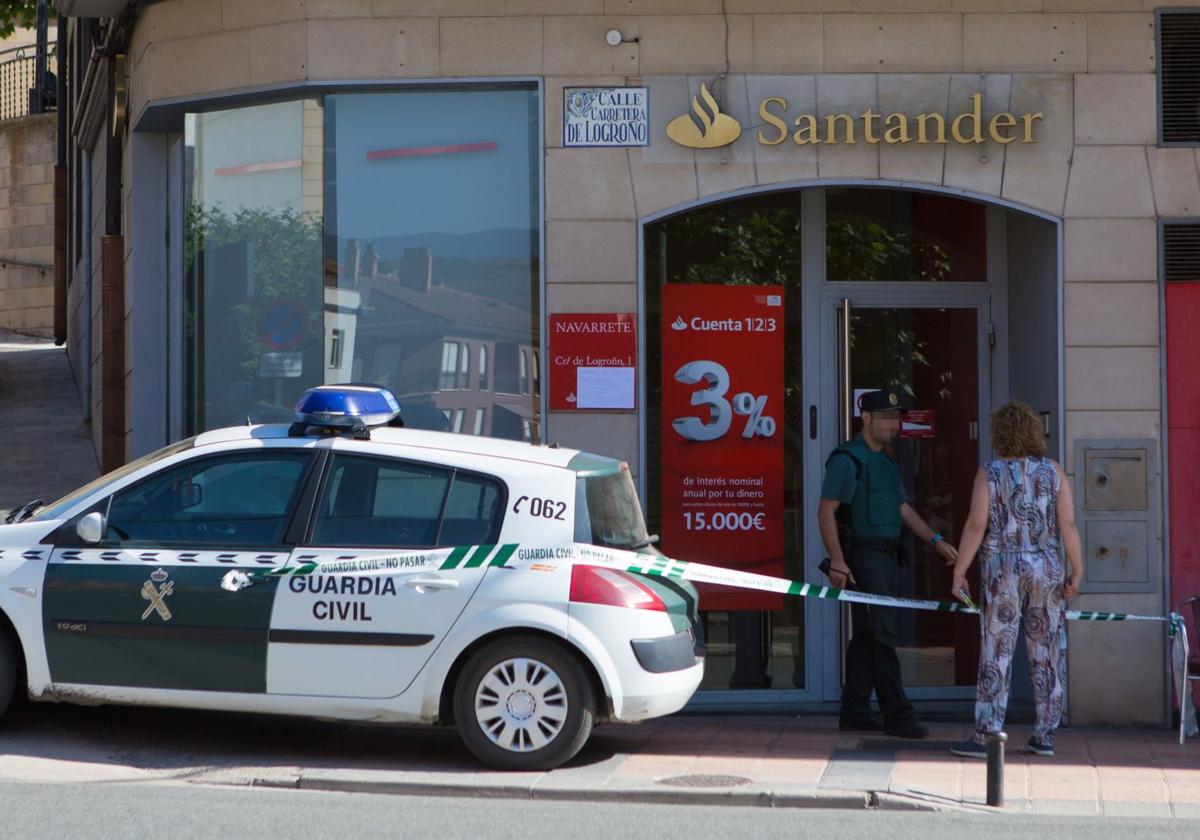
343	567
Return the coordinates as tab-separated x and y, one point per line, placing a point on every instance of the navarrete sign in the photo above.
710	128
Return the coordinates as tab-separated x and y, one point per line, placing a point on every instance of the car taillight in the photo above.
597	585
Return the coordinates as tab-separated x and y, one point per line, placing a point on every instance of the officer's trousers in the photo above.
871	661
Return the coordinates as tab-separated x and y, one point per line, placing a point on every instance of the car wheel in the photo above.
8	672
524	703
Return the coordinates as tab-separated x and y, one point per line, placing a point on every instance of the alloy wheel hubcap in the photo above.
521	704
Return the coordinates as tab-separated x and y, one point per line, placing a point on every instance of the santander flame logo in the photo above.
714	130
679	323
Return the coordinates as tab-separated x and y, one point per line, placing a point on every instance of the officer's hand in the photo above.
841	578
949	553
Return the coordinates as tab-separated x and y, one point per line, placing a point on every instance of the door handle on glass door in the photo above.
423	584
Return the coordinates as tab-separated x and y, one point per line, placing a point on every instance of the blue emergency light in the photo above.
341	409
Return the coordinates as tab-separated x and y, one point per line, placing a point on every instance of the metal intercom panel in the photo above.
1117	511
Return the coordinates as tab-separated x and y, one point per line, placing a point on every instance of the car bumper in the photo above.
666	653
670	693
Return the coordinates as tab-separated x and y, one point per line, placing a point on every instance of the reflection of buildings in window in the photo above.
420	336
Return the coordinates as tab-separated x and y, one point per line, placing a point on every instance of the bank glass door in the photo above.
931	356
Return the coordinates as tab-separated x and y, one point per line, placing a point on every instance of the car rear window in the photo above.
607	511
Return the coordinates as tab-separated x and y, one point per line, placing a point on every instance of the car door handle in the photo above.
423	584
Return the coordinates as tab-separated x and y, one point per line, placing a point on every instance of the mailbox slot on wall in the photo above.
1116	510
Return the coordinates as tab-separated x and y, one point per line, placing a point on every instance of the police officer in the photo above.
863	506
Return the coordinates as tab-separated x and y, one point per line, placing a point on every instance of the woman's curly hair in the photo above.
1017	431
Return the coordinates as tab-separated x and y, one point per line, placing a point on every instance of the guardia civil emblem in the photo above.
156	591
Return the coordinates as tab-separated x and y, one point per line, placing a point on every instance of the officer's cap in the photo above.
874	401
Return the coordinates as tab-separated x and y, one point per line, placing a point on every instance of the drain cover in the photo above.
903	745
704	780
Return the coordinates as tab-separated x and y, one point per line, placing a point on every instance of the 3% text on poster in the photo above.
721	411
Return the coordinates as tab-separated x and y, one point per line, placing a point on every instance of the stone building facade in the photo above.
1067	307
27	224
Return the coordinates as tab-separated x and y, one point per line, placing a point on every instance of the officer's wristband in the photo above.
936	538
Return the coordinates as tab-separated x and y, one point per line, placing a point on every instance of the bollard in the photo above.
995	769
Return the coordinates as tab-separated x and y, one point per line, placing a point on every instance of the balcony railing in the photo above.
18	75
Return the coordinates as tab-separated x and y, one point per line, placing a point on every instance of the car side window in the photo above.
239	499
473	512
383	502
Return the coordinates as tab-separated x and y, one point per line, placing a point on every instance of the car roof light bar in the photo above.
345	410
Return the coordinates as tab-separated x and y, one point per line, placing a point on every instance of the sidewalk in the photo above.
46	450
782	762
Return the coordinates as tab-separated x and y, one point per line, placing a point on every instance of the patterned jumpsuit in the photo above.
1022	579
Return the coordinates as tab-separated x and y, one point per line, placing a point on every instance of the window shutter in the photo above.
1181	252
1179	75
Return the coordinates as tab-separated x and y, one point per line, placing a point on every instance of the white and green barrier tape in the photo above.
516	556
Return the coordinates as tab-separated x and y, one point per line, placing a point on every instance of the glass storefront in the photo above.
388	237
872	238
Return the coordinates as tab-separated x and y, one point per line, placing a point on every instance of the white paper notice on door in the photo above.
604	387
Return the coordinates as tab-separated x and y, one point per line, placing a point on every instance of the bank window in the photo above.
371	237
899	235
236	500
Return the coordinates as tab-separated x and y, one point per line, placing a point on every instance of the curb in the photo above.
833	799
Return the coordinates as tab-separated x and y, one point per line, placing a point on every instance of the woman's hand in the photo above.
959	586
1071	587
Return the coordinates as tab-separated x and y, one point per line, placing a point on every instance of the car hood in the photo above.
24	535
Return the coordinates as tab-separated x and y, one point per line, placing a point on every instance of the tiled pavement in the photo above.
779	762
45	447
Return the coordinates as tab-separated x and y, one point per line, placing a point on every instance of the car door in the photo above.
144	608
355	634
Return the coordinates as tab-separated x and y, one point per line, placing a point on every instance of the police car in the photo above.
345	567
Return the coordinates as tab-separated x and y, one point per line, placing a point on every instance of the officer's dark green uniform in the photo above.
867	486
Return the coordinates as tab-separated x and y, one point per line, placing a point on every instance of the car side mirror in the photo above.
190	495
90	528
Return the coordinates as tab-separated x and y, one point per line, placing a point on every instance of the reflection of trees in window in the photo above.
733	244
240	263
863	249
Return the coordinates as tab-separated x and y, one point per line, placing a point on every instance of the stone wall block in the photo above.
1120	43
785	161
280	54
911	95
439	8
1110	250
788	6
591	252
592	185
659	186
1136	697
1036	173
356	48
996	5
682	44
1111	378
1107	424
238	14
556	7
576	46
1110	181
1176	181
198	65
591	297
670	96
1091	314
663	7
849	94
1115	108
1014	43
881	43
174	19
978	167
479	46
788	43
716	178
317	9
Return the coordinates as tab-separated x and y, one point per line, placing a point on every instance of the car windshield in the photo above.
607	511
58	509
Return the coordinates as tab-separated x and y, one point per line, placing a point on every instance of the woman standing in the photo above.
1023	516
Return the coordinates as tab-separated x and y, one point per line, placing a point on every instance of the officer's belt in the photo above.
875	543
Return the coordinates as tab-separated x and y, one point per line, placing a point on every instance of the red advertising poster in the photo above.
593	359
918	423
722	441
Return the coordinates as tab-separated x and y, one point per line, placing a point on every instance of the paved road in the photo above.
179	812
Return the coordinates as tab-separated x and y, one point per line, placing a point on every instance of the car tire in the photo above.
524	703
8	672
